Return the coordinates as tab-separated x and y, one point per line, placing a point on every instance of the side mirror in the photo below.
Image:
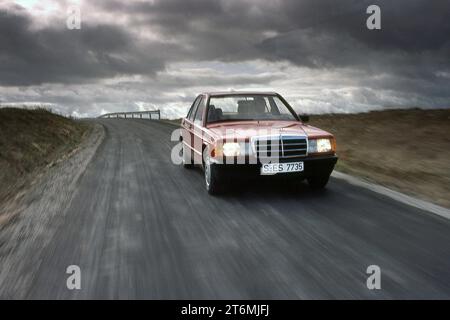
303	117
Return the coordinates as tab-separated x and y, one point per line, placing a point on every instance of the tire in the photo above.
318	182
213	182
187	163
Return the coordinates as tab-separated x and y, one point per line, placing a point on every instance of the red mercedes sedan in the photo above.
234	135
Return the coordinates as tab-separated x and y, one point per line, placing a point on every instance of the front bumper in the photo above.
313	166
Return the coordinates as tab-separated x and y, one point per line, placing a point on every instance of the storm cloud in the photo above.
133	55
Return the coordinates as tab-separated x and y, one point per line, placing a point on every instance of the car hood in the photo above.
246	129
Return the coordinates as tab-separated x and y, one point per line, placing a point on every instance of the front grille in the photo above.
282	147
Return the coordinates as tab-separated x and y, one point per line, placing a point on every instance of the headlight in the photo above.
319	145
231	149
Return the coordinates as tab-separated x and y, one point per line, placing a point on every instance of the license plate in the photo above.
274	168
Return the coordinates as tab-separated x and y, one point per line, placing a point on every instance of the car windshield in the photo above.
248	107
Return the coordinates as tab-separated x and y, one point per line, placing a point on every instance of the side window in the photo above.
193	108
199	113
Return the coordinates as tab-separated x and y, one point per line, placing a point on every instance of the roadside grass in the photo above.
406	150
31	140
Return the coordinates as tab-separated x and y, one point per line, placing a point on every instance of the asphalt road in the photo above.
142	227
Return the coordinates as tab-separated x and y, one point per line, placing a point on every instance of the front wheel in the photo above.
212	181
318	182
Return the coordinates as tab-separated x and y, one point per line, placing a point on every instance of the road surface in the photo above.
141	227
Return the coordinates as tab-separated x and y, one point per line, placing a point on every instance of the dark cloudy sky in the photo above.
139	55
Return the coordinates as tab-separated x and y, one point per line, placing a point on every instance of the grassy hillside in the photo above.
407	150
31	140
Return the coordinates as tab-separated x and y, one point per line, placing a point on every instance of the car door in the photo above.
188	124
198	130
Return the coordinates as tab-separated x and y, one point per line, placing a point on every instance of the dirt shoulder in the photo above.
406	150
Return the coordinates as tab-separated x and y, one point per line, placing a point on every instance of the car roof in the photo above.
237	93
